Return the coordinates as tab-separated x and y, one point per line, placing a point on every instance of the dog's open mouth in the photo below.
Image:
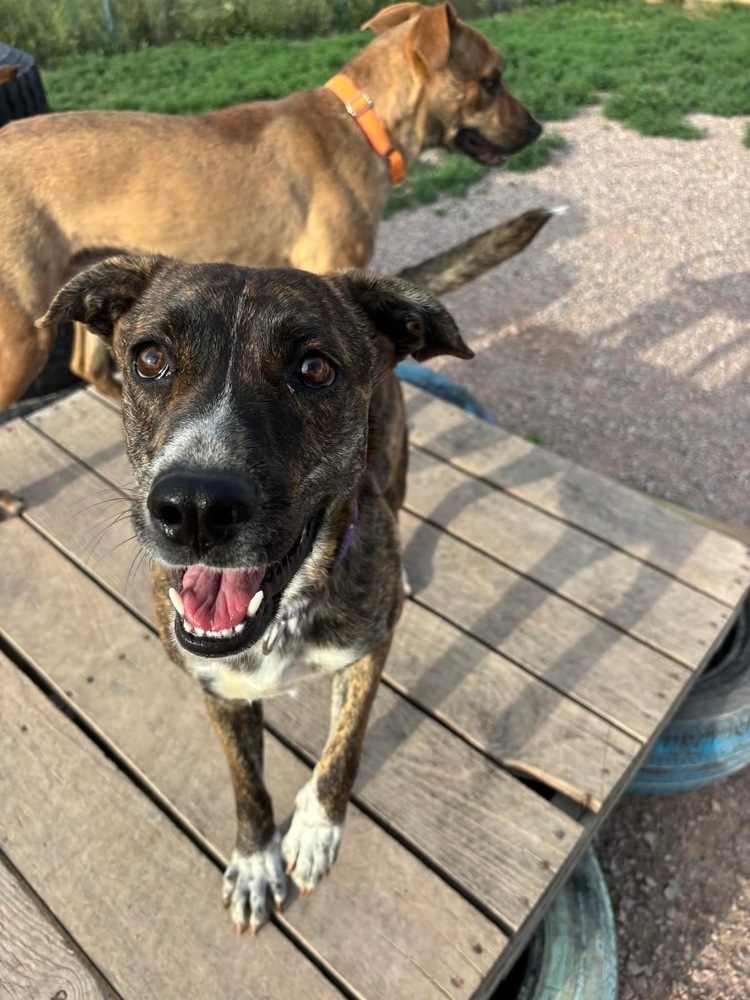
473	143
223	611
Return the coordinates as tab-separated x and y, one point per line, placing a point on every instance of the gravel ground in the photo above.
621	339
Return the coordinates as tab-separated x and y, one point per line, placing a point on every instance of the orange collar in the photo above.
360	107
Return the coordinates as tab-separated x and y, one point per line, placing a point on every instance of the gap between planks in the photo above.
38	958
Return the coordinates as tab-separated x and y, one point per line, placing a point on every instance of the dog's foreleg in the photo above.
255	866
311	845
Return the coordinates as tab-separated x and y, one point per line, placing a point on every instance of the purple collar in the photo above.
348	537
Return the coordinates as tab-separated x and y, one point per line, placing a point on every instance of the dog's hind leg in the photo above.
255	866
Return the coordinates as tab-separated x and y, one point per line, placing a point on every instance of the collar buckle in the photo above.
367	105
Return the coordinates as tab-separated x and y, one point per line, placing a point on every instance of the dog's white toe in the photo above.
247	881
311	844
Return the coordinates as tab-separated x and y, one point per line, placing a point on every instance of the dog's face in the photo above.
468	107
246	399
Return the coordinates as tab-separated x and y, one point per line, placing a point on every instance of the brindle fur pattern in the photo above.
292	182
233	403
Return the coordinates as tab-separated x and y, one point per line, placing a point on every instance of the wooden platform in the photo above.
557	621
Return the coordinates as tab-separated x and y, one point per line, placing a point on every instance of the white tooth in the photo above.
226	633
272	638
198	631
177	602
188	627
256	602
239	628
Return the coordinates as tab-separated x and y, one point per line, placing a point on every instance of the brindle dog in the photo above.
267	434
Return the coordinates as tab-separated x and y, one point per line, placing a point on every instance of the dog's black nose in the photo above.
535	129
200	510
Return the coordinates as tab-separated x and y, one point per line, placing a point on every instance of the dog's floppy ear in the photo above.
101	295
389	17
412	320
431	35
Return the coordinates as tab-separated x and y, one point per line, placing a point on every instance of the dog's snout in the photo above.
200	511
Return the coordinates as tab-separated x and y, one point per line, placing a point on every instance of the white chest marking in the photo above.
264	676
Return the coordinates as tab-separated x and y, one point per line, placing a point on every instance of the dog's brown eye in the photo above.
491	84
317	371
151	361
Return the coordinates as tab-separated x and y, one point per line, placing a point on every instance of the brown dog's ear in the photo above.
101	295
389	17
412	320
431	35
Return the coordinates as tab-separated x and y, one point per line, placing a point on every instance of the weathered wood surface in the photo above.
604	669
37	957
647	603
707	560
518	720
557	618
489	700
383	919
135	893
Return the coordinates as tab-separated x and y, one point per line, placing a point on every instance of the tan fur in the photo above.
288	182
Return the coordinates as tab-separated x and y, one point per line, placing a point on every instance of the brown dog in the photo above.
290	182
267	435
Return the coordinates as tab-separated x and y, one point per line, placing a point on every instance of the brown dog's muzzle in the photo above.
490	140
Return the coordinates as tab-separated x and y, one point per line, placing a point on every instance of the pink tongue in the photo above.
218	599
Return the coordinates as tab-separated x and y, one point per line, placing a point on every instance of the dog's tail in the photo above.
466	261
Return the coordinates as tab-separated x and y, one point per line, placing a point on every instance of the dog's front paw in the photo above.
247	882
312	842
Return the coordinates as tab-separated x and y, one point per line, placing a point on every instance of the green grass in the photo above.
650	65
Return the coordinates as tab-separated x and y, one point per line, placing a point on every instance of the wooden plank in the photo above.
519	721
135	894
626	682
86	425
383	919
639	599
37	957
707	560
497	706
66	501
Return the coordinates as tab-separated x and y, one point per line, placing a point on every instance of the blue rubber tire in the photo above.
709	737
443	387
573	955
